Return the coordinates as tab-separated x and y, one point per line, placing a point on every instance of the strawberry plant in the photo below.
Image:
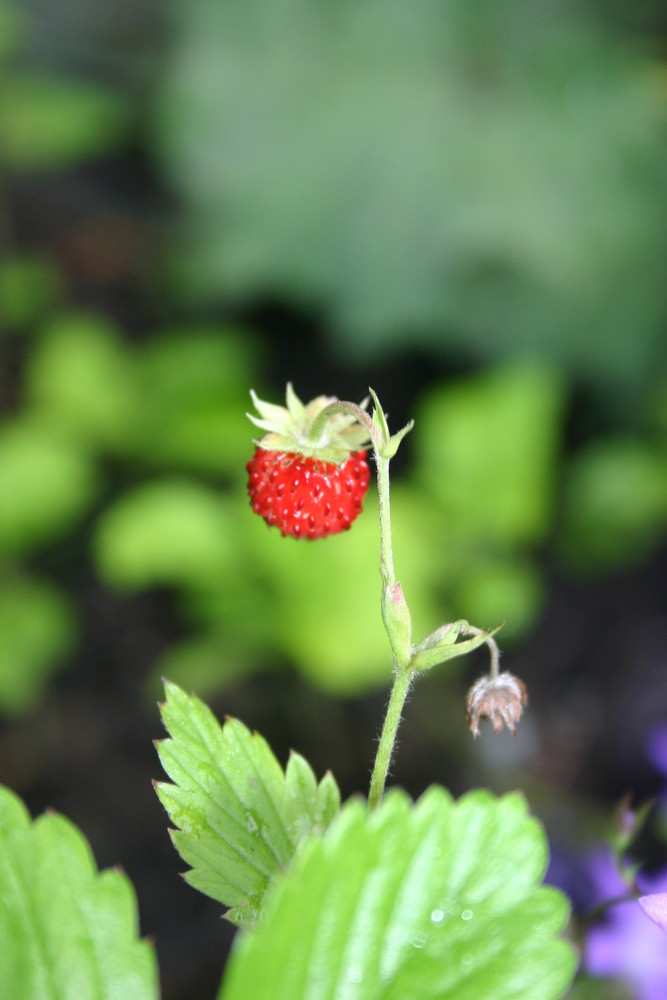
376	899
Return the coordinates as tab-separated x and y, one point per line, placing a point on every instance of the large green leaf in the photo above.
67	932
240	817
437	900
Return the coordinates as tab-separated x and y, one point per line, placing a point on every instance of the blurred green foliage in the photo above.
48	121
51	119
37	634
29	287
479	177
470	521
47	484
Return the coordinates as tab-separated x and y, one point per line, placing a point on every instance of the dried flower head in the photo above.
501	698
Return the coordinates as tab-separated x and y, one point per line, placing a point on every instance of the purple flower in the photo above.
589	880
624	945
656	748
655	907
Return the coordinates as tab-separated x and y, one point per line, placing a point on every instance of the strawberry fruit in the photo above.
307	486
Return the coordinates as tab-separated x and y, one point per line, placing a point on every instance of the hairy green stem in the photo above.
382	466
402	674
402	681
386	553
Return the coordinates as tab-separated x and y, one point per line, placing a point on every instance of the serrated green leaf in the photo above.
66	931
240	817
440	899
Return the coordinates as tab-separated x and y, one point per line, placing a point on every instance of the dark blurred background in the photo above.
460	204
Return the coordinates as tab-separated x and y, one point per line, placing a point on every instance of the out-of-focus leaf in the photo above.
79	376
487	449
47	484
588	988
49	121
37	631
500	589
29	285
66	931
170	532
615	504
240	817
194	393
439	899
480	176
208	661
9	27
325	596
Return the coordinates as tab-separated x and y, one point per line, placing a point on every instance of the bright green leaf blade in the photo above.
240	818
441	899
66	931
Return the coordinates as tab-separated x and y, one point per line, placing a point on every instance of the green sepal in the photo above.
319	429
390	442
441	645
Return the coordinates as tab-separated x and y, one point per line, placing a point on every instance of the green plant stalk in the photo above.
402	673
402	681
386	552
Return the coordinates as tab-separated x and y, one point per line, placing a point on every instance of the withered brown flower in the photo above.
501	698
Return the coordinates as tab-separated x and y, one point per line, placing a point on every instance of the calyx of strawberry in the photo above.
295	428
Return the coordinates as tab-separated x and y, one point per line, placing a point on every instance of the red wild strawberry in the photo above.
309	488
